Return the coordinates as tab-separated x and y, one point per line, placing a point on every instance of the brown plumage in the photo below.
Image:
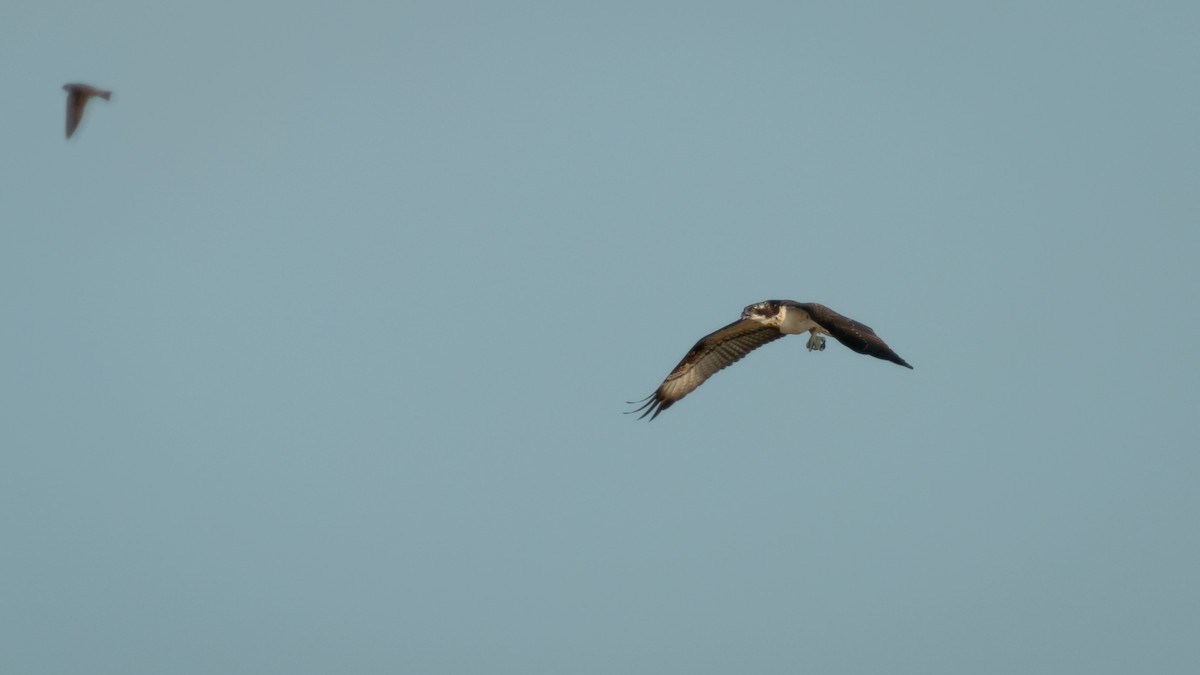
77	98
857	336
761	323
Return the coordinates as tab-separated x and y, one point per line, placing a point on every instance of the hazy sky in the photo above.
315	340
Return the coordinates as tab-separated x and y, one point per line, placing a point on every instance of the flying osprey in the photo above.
77	98
761	323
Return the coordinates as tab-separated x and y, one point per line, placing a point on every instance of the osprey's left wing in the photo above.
855	335
712	353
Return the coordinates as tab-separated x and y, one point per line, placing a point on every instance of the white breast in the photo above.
794	321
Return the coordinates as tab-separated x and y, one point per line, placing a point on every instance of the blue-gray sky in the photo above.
315	340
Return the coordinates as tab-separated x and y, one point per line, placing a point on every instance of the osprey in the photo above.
761	323
77	98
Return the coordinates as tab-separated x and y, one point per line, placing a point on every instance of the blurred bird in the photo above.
77	98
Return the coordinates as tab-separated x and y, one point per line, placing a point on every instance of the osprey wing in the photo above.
712	353
75	102
857	336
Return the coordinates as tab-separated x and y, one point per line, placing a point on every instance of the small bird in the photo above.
761	323
77	98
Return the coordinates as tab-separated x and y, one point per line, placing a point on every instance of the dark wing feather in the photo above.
855	335
712	353
77	98
75	102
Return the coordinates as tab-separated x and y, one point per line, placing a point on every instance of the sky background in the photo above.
315	340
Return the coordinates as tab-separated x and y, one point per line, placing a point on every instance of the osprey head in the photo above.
763	311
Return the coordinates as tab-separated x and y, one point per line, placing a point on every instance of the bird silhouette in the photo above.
77	98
